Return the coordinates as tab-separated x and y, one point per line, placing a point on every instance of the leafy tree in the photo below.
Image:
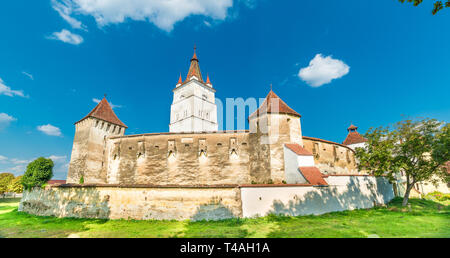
5	180
438	5
419	149
16	185
38	173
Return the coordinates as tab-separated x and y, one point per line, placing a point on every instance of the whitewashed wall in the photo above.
292	162
343	193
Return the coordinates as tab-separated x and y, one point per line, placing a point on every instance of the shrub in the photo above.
16	185
5	180
438	196
38	173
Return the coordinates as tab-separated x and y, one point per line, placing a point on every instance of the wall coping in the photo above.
142	186
351	175
326	141
181	133
195	186
280	185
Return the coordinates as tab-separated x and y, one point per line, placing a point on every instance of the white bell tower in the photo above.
193	108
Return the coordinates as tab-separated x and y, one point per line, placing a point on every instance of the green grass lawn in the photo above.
425	219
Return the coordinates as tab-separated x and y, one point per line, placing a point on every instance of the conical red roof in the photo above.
104	112
352	127
268	106
194	69
353	136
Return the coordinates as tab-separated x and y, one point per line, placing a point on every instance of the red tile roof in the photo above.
280	107
354	137
194	69
104	112
52	182
313	175
299	150
352	127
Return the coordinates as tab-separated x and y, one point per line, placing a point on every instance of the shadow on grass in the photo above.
9	200
425	219
391	221
21	224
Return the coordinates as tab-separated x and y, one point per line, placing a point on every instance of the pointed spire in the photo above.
104	112
180	81
207	79
195	54
194	68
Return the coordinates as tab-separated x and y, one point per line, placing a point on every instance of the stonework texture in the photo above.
206	202
202	158
140	203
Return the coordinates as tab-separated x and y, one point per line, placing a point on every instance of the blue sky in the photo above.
369	63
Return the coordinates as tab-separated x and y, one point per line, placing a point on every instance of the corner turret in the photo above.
87	159
276	124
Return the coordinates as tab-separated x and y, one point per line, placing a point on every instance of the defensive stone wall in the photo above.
342	193
134	202
206	202
183	159
331	158
236	157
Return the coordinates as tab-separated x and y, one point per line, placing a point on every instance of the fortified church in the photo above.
195	152
196	172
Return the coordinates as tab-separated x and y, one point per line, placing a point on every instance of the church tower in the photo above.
193	108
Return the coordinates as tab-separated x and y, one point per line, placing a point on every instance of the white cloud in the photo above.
5	90
50	130
5	120
18	166
110	103
323	70
28	75
18	170
163	13
65	9
58	159
20	161
61	166
67	37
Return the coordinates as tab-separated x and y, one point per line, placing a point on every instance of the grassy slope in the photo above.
426	219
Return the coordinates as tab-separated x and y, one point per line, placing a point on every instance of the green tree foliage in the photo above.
5	180
419	149
38	173
438	5
16	185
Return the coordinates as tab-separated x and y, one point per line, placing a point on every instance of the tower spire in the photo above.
194	68
207	79
195	53
180	81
